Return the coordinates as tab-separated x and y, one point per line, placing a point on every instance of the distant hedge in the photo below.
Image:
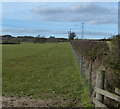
9	42
91	49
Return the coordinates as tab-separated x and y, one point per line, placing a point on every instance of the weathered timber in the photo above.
108	94
90	79
117	91
99	104
100	84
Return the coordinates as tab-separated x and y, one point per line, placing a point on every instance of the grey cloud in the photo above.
90	8
104	21
31	31
51	18
55	32
87	12
45	10
23	30
97	33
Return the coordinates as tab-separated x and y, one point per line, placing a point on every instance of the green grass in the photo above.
46	71
109	45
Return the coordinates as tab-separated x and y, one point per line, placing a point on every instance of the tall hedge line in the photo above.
90	49
99	51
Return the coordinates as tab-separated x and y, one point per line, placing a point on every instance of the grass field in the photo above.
109	45
45	71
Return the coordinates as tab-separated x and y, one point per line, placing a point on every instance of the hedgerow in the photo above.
91	50
105	53
98	51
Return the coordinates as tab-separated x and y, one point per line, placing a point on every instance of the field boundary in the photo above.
97	93
98	100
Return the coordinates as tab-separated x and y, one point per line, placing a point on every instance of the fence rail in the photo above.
108	94
98	103
100	92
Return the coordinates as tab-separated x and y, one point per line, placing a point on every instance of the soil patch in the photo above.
27	102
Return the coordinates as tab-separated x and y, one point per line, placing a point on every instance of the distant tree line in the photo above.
9	39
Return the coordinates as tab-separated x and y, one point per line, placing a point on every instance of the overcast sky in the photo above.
56	19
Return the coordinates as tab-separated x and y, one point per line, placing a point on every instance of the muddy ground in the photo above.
28	102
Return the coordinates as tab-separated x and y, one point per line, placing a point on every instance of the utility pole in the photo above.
69	32
82	32
119	18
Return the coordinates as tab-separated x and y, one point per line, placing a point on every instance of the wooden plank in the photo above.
98	103
90	79
100	84
108	94
117	91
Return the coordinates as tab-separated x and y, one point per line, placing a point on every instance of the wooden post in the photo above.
78	59
90	79
81	65
100	84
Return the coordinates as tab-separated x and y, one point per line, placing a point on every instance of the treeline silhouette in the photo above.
9	39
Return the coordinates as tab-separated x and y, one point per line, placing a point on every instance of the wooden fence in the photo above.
98	100
99	92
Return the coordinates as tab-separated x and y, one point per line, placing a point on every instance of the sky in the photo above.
57	18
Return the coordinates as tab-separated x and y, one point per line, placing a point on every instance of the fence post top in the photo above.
102	68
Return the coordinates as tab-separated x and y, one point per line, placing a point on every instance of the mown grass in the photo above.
46	71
